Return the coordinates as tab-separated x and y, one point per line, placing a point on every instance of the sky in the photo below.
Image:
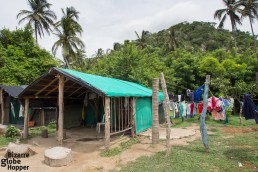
107	21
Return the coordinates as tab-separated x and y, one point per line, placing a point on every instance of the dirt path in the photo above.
86	154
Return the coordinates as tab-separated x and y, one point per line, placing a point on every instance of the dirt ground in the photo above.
86	150
235	130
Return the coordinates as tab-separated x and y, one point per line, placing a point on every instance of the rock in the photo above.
58	156
18	149
2	129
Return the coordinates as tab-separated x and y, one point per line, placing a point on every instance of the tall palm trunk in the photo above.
155	111
66	62
36	34
253	35
233	32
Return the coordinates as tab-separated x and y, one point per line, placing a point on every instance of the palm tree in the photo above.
251	11
232	7
171	40
142	40
67	31
40	17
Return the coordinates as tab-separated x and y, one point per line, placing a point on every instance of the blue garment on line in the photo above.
198	94
249	108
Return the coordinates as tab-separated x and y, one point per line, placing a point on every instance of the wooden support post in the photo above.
240	115
42	114
166	110
107	122
26	119
61	109
133	115
2	105
203	128
155	111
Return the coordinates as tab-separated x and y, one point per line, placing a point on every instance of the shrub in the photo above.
43	128
52	125
12	131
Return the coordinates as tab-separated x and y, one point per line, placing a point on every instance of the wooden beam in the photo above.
155	111
107	122
70	86
2	105
82	93
47	97
26	119
40	91
76	91
61	109
166	110
56	87
133	115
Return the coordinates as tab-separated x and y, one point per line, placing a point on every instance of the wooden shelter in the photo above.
85	99
11	110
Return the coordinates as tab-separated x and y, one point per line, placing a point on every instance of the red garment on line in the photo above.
200	108
214	103
191	108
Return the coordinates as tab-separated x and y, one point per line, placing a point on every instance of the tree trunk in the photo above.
107	122
155	111
233	32
166	109
26	119
61	109
253	34
203	128
36	34
133	105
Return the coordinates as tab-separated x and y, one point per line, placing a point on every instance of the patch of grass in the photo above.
36	131
177	122
5	140
234	121
117	150
224	155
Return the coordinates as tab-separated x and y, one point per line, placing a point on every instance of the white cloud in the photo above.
108	21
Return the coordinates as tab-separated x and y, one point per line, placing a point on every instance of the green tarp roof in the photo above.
113	87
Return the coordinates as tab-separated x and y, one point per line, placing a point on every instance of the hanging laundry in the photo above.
198	94
179	98
225	105
214	104
184	109
188	110
190	94
200	108
249	108
195	109
170	105
180	110
218	115
176	110
191	108
21	111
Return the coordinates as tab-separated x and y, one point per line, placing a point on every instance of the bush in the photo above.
52	125
43	128
12	131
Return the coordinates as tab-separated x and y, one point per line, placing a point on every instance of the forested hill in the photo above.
185	52
196	36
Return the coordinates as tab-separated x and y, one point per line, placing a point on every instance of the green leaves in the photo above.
21	62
